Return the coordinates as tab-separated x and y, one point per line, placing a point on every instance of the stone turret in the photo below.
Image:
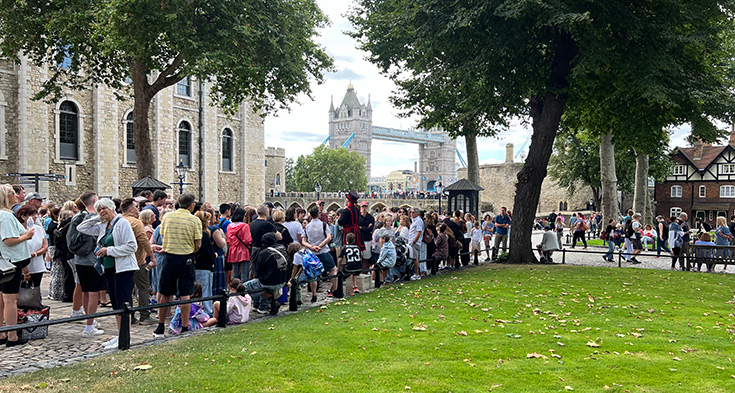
509	153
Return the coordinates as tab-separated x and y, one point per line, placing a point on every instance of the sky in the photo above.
305	125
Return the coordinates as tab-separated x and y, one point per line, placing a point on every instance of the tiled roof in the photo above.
709	153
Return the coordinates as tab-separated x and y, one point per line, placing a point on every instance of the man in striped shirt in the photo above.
182	236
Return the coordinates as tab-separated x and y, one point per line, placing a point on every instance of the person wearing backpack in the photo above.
580	227
82	246
271	266
317	240
676	241
306	270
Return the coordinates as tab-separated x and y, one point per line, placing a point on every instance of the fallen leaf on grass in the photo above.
142	367
461	333
420	328
593	344
65	380
494	387
568	388
534	355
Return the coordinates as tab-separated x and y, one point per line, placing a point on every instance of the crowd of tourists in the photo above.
101	252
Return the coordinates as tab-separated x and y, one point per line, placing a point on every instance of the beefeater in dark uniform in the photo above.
350	218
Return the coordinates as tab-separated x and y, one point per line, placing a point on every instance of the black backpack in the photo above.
79	243
62	250
401	251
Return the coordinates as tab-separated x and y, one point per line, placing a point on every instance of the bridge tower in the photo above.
437	162
350	117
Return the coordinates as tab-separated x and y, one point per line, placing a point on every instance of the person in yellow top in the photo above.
182	236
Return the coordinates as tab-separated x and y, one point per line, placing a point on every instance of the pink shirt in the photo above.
238	241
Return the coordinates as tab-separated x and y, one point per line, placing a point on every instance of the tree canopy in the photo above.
260	51
537	58
336	170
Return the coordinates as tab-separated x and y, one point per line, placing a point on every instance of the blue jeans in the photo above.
661	244
610	249
204	277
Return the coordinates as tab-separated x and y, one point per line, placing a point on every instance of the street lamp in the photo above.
181	174
318	189
440	190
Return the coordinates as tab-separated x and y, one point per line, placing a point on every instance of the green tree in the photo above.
290	175
336	170
576	161
262	51
533	58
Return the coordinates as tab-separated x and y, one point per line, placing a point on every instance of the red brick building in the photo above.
701	183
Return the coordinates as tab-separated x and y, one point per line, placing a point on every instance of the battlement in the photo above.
275	152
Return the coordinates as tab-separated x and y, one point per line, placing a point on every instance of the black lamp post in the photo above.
318	189
440	190
181	174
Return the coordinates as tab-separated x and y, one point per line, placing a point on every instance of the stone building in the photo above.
499	183
275	169
87	136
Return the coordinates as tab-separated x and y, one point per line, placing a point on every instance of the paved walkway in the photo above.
65	344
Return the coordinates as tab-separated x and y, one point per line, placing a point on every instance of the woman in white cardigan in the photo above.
116	246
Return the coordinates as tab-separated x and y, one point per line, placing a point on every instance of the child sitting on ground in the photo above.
351	260
238	307
197	315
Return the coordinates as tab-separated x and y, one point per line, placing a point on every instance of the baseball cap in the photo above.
269	204
363	203
320	202
34	195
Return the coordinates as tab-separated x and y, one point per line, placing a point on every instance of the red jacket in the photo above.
239	249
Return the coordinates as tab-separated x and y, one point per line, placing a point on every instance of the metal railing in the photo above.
127	310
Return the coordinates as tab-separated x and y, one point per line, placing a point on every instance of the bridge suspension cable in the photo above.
461	159
347	142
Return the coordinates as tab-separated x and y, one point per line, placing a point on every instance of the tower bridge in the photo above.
350	126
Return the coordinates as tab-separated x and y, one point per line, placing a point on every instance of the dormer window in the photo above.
679	170
728	169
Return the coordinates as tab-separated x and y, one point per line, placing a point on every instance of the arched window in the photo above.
185	143
227	150
68	131
129	139
278	179
702	191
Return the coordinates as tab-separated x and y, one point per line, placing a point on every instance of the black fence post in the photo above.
222	316
563	256
123	339
377	278
292	300
433	262
620	258
339	292
477	258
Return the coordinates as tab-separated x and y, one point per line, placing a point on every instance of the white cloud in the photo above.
305	126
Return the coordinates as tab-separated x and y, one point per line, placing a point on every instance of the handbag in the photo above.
7	270
31	316
29	296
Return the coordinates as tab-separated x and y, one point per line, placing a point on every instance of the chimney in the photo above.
509	153
698	149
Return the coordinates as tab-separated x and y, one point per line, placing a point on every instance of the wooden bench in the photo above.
709	255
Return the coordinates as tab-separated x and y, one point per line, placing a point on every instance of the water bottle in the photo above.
30	222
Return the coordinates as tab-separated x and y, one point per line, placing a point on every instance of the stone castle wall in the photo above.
499	183
30	135
275	169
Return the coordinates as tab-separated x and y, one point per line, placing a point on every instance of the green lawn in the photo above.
492	328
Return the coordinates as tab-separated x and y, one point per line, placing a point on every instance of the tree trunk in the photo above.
608	178
640	192
473	161
596	197
141	134
546	113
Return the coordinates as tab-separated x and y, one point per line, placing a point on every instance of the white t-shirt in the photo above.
298	258
294	229
417	225
476	234
35	243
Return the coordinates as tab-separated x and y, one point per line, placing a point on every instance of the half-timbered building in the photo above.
701	182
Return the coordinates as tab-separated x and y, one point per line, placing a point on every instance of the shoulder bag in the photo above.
7	270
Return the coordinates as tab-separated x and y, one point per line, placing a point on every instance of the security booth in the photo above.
150	184
463	195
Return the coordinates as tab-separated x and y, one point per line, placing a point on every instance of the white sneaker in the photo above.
110	343
92	333
78	313
96	324
415	277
